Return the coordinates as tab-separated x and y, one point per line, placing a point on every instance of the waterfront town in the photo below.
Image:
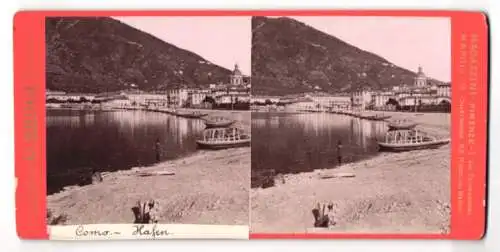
168	121
236	95
402	187
170	155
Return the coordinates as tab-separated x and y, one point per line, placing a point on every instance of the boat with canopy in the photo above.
223	138
408	140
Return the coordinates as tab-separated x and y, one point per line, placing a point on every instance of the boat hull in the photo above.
222	145
194	116
374	117
189	115
218	124
413	146
381	118
402	126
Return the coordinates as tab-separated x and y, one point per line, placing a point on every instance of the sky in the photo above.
404	41
224	41
408	42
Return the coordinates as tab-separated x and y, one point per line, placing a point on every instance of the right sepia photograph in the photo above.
350	124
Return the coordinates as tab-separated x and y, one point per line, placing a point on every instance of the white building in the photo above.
361	100
141	98
236	91
262	99
117	102
197	96
60	96
301	104
444	90
178	97
326	101
423	92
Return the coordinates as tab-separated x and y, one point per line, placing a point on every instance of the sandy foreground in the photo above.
390	193
207	187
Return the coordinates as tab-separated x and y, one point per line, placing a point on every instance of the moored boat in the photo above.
189	114
179	113
408	140
218	122
378	117
195	114
381	117
223	138
366	117
401	125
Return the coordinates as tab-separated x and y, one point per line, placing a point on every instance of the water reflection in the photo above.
71	120
109	141
290	143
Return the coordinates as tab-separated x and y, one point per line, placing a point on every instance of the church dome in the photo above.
236	70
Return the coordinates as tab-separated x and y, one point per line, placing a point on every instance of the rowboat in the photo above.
223	138
401	125
218	122
195	114
377	117
380	117
408	140
178	112
189	114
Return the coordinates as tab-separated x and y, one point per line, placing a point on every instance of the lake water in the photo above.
285	143
293	143
108	141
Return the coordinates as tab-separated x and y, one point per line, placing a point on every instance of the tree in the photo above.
83	99
52	100
209	99
394	103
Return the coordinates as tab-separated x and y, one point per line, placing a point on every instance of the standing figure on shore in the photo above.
158	149
339	152
331	212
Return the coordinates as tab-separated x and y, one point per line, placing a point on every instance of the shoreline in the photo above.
242	117
190	194
194	194
391	192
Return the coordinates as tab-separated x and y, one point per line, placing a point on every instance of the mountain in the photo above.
99	54
291	57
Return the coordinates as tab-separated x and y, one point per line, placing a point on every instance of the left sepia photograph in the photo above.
147	120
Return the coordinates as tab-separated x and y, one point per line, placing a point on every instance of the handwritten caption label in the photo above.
136	230
146	231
